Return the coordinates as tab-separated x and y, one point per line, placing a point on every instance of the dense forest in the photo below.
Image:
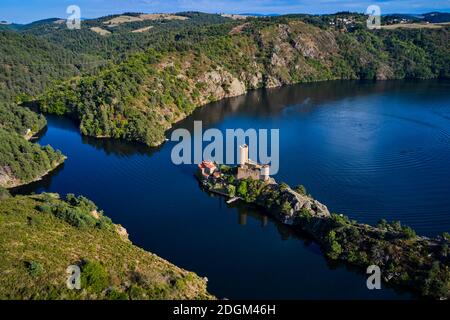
19	119
22	162
140	97
131	77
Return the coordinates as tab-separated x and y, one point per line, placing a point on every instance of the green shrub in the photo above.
45	208
136	292
437	282
408	233
306	214
286	207
114	294
94	277
242	188
300	189
231	190
34	268
334	248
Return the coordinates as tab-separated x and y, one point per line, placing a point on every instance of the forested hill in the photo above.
28	65
141	96
36	56
131	76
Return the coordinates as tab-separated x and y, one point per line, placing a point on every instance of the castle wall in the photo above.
245	172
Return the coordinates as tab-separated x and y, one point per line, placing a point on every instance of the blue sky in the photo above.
23	11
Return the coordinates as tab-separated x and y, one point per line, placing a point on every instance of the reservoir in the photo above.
369	150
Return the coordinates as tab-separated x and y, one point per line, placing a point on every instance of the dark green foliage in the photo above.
34	268
438	281
94	277
397	228
286	207
28	65
242	188
19	119
81	202
111	265
407	260
25	161
334	249
231	190
77	211
133	98
300	189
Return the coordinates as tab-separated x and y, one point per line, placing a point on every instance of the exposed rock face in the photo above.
121	231
177	82
384	72
6	177
221	84
95	214
313	45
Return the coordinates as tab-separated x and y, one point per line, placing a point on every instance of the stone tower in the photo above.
243	155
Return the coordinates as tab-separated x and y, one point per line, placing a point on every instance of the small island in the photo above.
406	260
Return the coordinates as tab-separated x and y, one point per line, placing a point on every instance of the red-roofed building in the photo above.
207	168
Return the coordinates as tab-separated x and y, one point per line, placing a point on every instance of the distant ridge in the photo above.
431	17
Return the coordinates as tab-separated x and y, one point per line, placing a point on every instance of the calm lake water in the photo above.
368	150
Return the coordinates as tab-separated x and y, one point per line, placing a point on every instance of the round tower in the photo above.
265	172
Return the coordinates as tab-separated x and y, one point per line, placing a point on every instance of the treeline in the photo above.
28	65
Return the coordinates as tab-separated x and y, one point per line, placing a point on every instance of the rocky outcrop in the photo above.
6	177
221	84
298	204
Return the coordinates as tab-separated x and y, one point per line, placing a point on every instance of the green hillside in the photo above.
141	97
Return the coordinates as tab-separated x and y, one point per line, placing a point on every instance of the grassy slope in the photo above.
37	246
